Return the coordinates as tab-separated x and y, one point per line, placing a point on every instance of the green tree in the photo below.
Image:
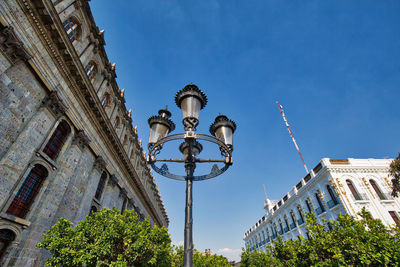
199	259
108	238
344	241
394	170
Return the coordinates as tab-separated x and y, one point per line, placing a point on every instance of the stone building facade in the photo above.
67	145
334	186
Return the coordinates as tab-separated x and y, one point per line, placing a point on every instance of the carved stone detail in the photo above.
80	139
54	103
100	164
11	46
113	180
123	193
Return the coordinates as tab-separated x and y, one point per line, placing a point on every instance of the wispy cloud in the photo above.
230	253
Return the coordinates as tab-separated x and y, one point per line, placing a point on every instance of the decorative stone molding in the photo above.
12	46
100	164
358	169
80	139
367	185
113	180
123	193
388	183
54	103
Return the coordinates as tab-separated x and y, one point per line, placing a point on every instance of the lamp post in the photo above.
190	100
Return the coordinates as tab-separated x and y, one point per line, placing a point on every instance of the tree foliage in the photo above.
394	170
199	259
341	242
108	238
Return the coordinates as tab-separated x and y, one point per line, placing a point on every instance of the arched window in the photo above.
377	190
321	207
301	219
91	69
72	28
286	223
116	122
125	140
100	186
308	205
353	190
105	100
6	237
332	195
281	226
394	216
92	209
293	219
28	191
57	140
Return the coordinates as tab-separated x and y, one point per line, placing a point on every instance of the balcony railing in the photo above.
332	203
359	196
300	221
280	232
286	229
385	196
292	226
319	210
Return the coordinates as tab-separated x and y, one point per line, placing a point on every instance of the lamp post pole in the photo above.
190	99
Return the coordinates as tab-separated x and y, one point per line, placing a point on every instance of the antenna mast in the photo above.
265	191
291	134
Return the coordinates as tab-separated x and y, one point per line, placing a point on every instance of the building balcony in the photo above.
385	196
292	226
359	196
332	203
300	221
286	229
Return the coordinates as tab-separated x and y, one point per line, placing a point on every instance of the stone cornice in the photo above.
100	164
357	169
46	23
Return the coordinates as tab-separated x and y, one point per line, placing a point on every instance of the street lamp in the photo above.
190	100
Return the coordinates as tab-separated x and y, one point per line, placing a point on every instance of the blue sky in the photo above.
333	65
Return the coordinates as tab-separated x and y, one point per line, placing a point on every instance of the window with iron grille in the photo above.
100	186
28	191
72	29
57	140
6	237
353	190
91	70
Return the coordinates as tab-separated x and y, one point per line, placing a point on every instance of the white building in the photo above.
334	186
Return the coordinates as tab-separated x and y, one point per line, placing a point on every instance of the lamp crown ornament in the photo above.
190	90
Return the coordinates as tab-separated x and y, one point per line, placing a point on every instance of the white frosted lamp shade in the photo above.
190	107
225	134
223	129
157	131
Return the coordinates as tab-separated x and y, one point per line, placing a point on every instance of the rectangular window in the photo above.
394	216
